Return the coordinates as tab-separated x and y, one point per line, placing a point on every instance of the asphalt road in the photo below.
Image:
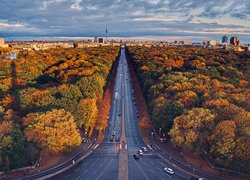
149	166
103	162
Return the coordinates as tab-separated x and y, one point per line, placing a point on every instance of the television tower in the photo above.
106	34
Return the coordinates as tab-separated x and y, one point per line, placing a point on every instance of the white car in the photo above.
140	152
144	149
169	170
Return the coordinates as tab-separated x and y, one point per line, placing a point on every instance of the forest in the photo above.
48	99
200	99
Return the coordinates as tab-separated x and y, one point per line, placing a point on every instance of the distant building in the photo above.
212	43
185	42
205	43
233	40
224	39
238	43
100	40
95	39
1	41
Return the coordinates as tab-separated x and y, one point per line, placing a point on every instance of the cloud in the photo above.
125	17
76	5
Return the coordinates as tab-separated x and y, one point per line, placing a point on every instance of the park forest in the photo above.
48	98
200	99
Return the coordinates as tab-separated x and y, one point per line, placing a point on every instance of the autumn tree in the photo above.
192	128
89	112
223	142
55	130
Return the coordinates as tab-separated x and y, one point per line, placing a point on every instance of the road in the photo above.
103	162
149	166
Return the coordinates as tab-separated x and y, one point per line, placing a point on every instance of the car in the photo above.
111	138
169	170
117	138
144	149
201	178
119	114
140	152
136	156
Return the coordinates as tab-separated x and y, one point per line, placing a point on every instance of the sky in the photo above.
194	20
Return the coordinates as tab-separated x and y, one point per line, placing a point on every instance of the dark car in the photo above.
136	156
117	139
111	138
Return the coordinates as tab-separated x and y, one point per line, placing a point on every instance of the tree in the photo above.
55	130
223	142
192	128
11	145
163	116
89	112
91	86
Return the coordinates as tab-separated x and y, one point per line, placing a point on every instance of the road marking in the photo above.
92	165
89	146
77	169
94	172
96	146
78	177
104	169
66	177
141	170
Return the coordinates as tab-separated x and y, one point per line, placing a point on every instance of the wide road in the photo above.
102	164
149	166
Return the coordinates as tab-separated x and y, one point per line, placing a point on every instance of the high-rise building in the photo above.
224	39
100	40
1	41
233	40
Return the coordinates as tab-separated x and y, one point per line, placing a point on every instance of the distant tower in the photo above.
106	34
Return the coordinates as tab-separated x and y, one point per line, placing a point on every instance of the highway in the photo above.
103	162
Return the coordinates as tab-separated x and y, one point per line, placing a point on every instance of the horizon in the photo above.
193	39
193	20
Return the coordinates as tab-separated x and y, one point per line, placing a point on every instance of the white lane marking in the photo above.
66	177
104	169
96	146
85	171
141	170
94	172
92	165
77	169
78	177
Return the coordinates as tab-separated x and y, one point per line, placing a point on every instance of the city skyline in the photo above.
193	20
